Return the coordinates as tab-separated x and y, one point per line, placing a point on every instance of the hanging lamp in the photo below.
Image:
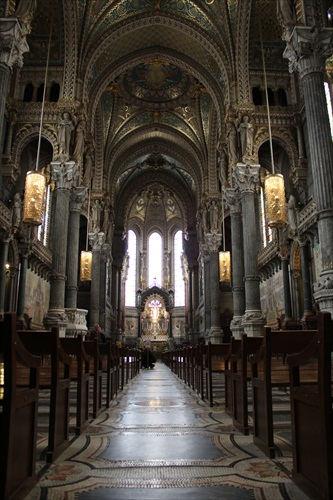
35	181
276	213
86	255
224	256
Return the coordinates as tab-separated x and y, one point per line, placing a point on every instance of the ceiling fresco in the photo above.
158	76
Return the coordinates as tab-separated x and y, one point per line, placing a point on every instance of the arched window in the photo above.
130	290
266	231
329	105
54	92
155	259
178	277
28	92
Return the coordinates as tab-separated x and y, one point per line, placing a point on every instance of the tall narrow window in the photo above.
329	105
178	269
266	231
130	290
155	259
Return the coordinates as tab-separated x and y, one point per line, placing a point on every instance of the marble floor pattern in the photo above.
159	441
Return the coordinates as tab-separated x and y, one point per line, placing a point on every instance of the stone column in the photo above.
205	262
309	319
105	253
64	176
246	177
13	45
307	51
118	303
77	317
215	331
4	247
237	261
284	254
97	241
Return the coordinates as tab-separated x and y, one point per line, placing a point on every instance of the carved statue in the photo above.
65	129
246	136
25	12
292	214
88	167
213	216
223	166
285	12
232	140
80	138
17	211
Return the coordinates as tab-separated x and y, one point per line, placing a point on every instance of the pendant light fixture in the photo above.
276	213
35	182
86	255
224	256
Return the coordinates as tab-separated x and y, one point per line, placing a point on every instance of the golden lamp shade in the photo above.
34	194
276	213
225	266
85	266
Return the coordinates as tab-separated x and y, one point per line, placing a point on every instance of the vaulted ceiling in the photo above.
156	79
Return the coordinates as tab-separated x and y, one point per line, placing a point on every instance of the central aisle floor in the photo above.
159	441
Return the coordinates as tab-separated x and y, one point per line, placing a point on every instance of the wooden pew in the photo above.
108	368
54	376
234	344
213	362
240	378
18	413
312	414
74	347
96	370
269	369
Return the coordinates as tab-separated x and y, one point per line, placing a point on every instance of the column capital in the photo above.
96	240
13	43
213	242
246	177
308	48
64	174
77	198
233	199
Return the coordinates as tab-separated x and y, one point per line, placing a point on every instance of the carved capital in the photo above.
213	242
77	198
96	240
13	43
64	174
246	177
233	199
308	48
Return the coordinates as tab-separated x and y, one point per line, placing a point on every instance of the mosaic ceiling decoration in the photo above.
157	83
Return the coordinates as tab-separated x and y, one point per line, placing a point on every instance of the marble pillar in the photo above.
246	177
77	324
205	259
307	50
237	261
13	45
5	239
96	240
105	256
215	333
64	176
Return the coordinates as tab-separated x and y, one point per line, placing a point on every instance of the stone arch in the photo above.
281	137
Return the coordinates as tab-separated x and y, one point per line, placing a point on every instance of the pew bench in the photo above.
55	380
268	370
312	413
240	378
74	347
96	372
213	362
18	412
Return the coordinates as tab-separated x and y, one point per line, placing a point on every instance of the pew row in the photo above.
240	378
212	363
80	375
55	378
312	414
18	405
269	369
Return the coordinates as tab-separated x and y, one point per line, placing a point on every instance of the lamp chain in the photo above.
44	94
267	101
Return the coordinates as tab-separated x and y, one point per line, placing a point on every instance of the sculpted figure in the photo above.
223	166
17	211
246	136
80	137
292	214
88	167
232	140
285	12
65	129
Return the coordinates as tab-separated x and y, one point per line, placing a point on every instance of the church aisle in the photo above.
159	441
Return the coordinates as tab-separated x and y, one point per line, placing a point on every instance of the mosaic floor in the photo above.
158	441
